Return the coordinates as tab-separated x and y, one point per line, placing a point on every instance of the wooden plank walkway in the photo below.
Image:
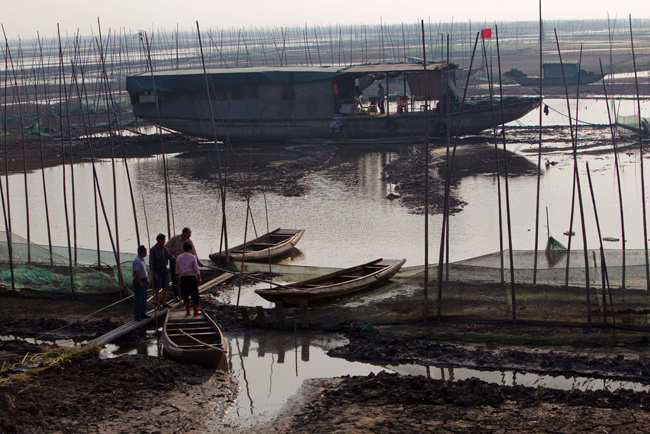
153	314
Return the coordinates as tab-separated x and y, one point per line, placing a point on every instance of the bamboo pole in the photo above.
618	178
645	214
539	152
40	146
22	138
496	160
6	204
248	200
450	166
113	169
162	137
577	178
425	312
513	299
216	144
63	98
603	265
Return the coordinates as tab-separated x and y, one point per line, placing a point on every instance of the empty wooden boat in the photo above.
194	339
333	286
274	244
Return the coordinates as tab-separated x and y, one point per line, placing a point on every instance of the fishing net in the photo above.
480	289
38	271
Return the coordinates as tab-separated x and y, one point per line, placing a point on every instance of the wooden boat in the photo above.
333	286
277	104
556	74
194	339
274	244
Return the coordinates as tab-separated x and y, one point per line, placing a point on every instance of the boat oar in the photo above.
279	286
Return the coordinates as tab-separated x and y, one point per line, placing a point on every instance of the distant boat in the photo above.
553	75
334	286
271	245
194	339
279	104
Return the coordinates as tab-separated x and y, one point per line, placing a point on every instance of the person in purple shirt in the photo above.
187	267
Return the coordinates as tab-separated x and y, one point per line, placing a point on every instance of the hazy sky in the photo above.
23	18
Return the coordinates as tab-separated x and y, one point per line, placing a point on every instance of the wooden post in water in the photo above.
304	314
261	316
282	318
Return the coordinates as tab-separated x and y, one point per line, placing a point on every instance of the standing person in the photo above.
381	97
140	284
159	257
187	268
175	247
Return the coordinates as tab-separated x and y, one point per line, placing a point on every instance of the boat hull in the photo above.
557	81
342	127
194	339
272	245
334	286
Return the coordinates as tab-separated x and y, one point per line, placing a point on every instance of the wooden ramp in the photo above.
133	325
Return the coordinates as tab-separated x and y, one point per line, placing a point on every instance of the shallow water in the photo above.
347	218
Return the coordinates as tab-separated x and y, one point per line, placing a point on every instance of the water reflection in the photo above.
513	378
271	367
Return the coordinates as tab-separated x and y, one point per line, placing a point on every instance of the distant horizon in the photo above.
476	26
28	18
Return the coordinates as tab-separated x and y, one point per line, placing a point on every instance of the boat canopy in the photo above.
193	80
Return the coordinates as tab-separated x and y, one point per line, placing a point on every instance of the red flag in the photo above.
486	33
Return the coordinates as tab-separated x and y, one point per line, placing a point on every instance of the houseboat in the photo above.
278	104
556	74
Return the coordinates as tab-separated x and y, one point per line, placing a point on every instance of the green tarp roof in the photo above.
193	80
184	81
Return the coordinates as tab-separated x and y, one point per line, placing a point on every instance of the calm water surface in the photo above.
347	218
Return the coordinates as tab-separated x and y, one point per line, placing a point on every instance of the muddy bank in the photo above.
129	393
388	403
141	393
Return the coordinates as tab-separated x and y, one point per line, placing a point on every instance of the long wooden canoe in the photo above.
333	286
275	243
194	339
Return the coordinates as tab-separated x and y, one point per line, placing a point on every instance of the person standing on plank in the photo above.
159	257
140	284
187	268
175	247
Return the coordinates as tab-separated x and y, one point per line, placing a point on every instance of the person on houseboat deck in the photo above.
187	268
140	284
159	257
175	247
381	97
